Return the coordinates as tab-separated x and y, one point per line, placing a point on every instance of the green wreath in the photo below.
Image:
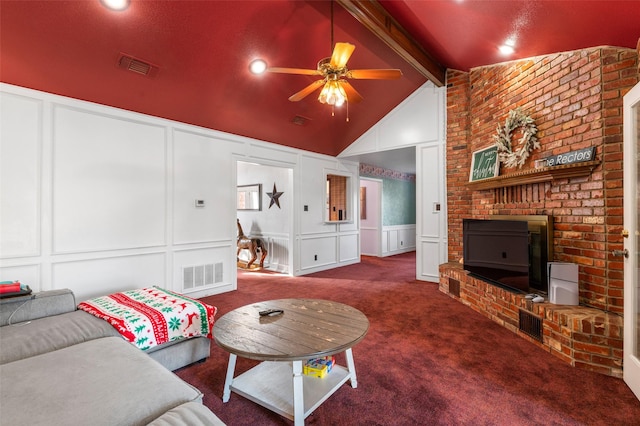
528	142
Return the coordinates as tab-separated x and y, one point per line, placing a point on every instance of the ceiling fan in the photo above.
335	88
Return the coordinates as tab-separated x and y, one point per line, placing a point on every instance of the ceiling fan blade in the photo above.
293	71
306	91
388	74
352	94
341	54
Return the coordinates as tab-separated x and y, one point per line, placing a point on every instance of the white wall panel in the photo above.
322	247
368	142
109	182
417	120
407	238
349	248
385	242
431	189
20	160
202	169
430	259
312	188
97	277
270	152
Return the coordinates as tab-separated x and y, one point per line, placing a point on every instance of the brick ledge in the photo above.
584	337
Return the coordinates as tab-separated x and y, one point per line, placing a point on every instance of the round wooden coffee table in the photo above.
306	328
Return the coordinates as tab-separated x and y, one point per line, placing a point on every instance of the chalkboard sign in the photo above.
484	164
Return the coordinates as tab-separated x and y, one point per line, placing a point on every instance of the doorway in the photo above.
269	215
370	216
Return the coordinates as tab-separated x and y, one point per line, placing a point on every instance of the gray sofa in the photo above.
62	366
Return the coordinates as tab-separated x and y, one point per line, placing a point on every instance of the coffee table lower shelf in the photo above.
270	384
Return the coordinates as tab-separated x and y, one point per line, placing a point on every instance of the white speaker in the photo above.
563	283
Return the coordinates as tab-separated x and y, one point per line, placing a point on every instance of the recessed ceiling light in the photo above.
506	50
508	47
116	4
258	66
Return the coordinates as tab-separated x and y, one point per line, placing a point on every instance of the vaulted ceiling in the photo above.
199	52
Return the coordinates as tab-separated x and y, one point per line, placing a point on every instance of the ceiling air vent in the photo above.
130	63
299	120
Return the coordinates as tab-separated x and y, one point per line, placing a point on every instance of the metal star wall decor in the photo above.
275	196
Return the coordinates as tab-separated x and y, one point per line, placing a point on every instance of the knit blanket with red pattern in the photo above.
152	316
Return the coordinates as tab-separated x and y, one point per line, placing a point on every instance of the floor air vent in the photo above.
530	325
454	287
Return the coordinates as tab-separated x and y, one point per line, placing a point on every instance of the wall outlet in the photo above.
306	208
315	257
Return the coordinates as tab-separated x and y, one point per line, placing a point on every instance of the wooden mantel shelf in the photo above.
544	174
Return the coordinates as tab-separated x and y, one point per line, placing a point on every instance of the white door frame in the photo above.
631	370
288	204
378	196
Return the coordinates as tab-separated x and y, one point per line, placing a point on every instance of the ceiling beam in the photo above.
375	18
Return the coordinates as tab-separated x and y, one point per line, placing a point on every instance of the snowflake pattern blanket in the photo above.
152	316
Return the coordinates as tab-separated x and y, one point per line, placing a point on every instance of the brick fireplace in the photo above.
575	99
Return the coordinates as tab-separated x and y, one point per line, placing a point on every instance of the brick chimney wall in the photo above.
458	157
575	99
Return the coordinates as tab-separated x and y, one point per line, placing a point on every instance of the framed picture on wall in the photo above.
250	197
484	164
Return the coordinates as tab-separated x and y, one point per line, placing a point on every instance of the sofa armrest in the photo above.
37	305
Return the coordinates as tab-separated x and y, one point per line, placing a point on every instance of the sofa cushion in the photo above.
100	382
43	335
189	414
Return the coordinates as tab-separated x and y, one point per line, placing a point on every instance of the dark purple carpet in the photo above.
427	359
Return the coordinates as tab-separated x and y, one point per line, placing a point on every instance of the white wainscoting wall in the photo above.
398	239
98	199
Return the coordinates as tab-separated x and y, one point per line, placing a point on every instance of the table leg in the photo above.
298	395
351	367
231	368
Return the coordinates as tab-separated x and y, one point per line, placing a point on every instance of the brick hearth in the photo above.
584	337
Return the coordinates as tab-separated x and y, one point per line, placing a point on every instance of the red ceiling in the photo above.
202	50
463	34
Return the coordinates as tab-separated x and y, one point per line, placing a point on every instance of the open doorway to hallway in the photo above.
265	214
388	211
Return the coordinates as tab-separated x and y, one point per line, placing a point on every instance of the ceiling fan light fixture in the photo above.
258	66
333	94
